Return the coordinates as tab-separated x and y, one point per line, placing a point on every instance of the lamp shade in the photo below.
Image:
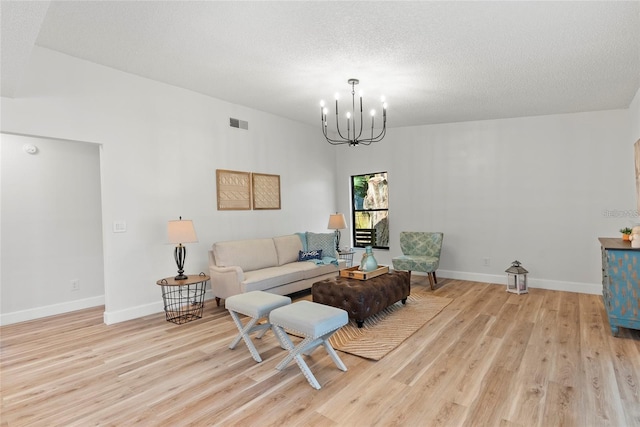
337	222
181	231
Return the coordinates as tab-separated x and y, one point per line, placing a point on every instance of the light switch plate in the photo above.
119	227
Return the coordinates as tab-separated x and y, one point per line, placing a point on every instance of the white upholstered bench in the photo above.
315	323
256	305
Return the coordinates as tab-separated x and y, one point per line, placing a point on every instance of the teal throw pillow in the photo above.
322	241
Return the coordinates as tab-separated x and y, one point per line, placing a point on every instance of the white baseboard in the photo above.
50	310
552	285
111	317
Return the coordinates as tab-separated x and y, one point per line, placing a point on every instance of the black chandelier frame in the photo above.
351	122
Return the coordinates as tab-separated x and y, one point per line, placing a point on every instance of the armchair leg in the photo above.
431	280
434	277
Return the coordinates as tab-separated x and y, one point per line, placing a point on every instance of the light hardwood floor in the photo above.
488	359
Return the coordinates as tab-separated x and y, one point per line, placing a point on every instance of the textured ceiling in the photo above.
435	62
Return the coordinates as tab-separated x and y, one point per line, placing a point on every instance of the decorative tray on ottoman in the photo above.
354	273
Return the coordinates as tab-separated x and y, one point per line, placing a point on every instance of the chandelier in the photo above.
353	138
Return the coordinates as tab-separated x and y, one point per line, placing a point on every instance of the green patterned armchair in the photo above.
420	252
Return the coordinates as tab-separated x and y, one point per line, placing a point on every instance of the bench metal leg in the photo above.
334	355
306	346
247	329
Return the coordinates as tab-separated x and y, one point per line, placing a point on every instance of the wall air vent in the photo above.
240	124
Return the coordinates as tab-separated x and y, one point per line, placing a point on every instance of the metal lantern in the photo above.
517	278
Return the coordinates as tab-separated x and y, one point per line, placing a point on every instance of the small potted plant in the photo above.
626	233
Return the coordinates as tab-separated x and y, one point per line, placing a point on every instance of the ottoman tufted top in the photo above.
363	298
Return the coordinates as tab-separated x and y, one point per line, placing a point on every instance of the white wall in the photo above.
161	146
52	227
634	116
537	189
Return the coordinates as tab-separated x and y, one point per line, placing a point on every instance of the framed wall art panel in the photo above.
233	190
266	191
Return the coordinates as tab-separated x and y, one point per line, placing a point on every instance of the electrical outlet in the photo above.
486	262
75	285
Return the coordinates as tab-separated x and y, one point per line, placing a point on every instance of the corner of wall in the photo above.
634	109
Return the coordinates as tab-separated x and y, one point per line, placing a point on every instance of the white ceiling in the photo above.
435	62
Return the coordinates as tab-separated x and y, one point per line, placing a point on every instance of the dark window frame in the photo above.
360	236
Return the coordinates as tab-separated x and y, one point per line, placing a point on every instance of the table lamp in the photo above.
181	231
337	222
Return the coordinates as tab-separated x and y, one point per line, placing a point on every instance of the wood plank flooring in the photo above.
488	359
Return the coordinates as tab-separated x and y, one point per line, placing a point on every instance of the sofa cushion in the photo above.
287	248
324	241
308	255
249	255
320	270
267	278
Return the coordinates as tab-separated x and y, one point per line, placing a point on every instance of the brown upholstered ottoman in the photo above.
363	298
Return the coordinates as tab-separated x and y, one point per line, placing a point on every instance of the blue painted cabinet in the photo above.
621	283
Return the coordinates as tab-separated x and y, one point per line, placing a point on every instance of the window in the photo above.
370	210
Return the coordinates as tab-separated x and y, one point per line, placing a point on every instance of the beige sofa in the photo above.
269	264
